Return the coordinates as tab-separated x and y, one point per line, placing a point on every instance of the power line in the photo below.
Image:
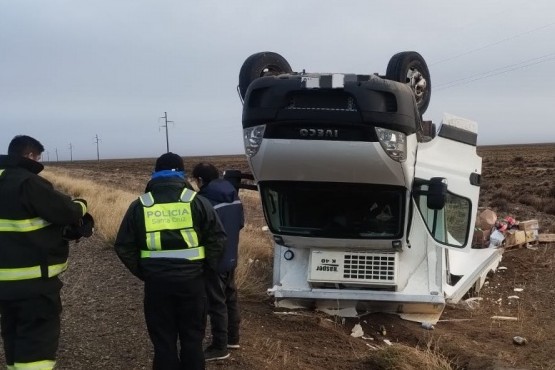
495	72
492	44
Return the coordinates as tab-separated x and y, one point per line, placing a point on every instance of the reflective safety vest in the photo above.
37	365
31	272
169	228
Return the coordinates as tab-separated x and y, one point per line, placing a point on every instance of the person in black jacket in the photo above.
33	252
221	288
167	238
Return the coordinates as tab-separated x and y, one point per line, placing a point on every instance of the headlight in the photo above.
252	137
394	143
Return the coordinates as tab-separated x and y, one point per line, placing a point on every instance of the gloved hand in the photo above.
84	229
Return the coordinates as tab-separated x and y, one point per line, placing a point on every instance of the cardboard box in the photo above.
486	219
528	225
531	236
481	238
515	237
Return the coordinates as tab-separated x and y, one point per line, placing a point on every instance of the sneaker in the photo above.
233	344
212	354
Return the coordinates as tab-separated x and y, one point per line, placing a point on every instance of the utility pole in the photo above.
97	152
56	154
166	126
70	152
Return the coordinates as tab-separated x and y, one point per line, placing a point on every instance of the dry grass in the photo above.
402	357
108	206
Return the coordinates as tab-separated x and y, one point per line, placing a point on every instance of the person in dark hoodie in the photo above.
33	253
167	238
221	289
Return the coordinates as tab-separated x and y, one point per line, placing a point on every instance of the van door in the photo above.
450	155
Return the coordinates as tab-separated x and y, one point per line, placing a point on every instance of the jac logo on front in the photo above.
318	133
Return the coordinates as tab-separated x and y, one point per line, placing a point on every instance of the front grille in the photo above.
375	267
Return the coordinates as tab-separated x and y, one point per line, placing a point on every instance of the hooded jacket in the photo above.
131	236
32	217
229	208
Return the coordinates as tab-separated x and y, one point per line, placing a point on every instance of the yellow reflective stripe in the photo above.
83	206
19	226
25	273
154	241
147	199
37	365
190	237
187	195
191	254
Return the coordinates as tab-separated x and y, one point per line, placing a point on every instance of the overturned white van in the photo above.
368	210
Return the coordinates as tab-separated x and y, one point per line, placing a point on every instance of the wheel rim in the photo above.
418	84
270	70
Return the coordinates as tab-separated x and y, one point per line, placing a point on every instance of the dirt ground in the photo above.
103	325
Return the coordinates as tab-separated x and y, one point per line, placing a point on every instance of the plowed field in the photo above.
103	326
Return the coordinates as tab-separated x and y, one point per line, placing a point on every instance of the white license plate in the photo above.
326	266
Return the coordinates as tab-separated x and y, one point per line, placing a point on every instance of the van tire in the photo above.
261	64
410	68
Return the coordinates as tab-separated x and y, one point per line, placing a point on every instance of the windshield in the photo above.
333	210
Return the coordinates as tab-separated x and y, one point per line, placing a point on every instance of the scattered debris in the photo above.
518	289
383	331
505	318
546	238
427	326
496	239
500	268
513	297
473	303
492	231
387	341
357	331
519	340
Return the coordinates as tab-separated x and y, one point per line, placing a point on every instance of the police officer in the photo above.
33	253
166	238
221	289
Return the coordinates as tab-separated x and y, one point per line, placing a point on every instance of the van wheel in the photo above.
409	67
261	64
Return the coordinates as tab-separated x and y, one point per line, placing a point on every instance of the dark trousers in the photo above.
176	311
31	329
223	308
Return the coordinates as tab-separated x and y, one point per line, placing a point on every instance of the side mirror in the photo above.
234	177
437	193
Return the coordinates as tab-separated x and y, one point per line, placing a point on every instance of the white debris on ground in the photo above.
472	303
518	289
357	331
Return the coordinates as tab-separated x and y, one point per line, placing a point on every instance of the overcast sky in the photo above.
72	69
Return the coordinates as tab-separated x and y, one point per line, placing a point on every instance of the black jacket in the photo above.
132	236
24	195
229	208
